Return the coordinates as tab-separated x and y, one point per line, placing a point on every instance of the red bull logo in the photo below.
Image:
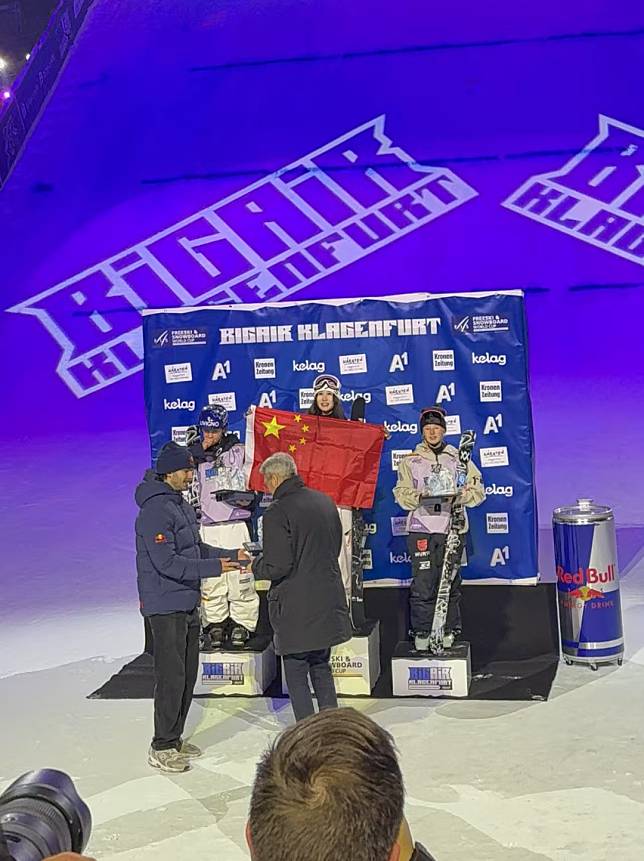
585	593
583	577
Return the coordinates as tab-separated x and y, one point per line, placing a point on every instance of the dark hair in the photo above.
336	413
329	787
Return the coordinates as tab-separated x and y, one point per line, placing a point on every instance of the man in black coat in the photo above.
171	561
306	602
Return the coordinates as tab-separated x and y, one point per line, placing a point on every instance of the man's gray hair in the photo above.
280	464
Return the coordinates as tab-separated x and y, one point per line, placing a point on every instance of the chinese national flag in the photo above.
340	458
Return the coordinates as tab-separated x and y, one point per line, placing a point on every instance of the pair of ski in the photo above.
438	640
358	541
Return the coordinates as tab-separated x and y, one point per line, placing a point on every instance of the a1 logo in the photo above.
399	362
221	371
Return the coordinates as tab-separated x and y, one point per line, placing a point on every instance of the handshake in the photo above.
243	560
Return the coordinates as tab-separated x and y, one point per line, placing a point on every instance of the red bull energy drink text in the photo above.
590	615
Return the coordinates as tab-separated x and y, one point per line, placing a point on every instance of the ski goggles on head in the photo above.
433	416
326	383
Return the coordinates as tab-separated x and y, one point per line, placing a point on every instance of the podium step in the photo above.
355	664
234	672
418	674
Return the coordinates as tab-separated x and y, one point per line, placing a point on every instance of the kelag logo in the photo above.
489	359
499	490
401	427
179	404
248	247
311	367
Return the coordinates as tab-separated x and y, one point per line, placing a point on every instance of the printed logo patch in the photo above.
421	544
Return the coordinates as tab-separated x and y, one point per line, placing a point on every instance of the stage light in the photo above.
27	56
3	64
6	95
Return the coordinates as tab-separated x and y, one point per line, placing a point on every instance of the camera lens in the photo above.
41	814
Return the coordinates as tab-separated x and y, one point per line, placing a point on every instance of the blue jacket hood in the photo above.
152	486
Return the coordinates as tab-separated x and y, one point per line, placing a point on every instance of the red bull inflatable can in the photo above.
590	614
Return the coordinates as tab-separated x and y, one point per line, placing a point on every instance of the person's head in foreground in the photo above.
330	789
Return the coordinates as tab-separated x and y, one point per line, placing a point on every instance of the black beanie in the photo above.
433	416
173	457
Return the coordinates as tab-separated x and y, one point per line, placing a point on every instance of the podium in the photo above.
419	674
235	672
355	664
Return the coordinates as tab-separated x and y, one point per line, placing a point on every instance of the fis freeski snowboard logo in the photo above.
476	324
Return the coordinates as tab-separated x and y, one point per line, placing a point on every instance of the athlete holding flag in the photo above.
327	403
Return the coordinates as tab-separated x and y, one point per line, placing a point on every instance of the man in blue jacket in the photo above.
171	561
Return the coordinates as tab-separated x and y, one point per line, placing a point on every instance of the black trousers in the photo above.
297	670
175	641
427	551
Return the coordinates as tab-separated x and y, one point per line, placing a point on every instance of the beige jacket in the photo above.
412	470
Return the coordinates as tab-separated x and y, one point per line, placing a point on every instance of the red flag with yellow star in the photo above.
340	458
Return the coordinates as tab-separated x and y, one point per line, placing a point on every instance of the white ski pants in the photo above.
233	594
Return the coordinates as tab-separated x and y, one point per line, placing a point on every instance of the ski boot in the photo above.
239	636
451	638
212	637
421	641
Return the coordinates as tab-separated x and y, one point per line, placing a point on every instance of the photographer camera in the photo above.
43	818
